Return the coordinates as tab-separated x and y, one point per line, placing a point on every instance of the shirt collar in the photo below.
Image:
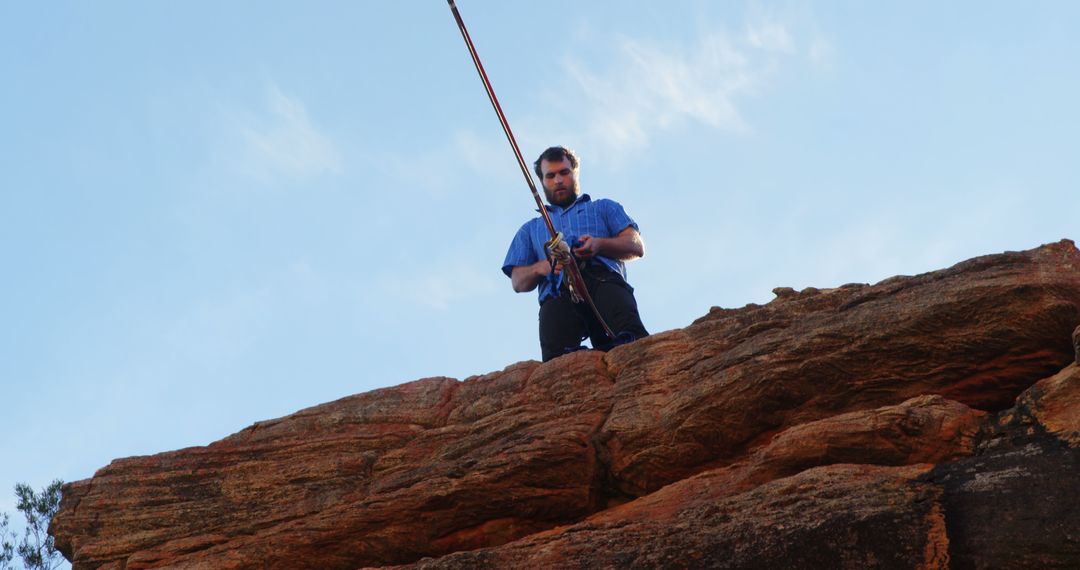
556	209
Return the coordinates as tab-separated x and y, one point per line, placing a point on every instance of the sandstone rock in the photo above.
978	333
784	292
389	476
1054	404
753	412
839	516
1013	508
927	429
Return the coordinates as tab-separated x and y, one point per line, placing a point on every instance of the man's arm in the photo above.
525	278
626	246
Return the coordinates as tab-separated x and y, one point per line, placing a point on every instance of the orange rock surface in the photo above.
863	426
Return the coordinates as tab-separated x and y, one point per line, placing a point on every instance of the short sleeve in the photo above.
521	250
616	218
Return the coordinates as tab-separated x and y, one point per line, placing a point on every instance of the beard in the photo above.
562	196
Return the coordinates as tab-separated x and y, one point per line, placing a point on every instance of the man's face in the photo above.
560	182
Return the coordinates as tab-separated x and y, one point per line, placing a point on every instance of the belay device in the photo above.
578	292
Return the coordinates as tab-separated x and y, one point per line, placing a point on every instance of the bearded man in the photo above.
602	237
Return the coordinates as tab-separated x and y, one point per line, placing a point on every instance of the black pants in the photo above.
564	324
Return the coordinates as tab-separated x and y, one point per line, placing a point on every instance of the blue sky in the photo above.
217	213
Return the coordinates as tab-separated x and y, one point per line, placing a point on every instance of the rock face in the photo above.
923	422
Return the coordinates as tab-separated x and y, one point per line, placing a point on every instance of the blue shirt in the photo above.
602	218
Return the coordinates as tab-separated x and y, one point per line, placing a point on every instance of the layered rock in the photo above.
856	426
1002	496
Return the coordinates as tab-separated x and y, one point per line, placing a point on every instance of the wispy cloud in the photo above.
477	152
440	284
770	36
437	169
650	87
820	51
279	140
614	109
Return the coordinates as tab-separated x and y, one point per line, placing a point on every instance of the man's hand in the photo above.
525	278
590	247
624	247
558	250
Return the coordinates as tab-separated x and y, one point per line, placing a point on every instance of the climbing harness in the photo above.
576	284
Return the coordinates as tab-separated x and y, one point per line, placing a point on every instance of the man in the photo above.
602	237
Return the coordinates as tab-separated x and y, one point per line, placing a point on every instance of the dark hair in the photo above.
555	154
